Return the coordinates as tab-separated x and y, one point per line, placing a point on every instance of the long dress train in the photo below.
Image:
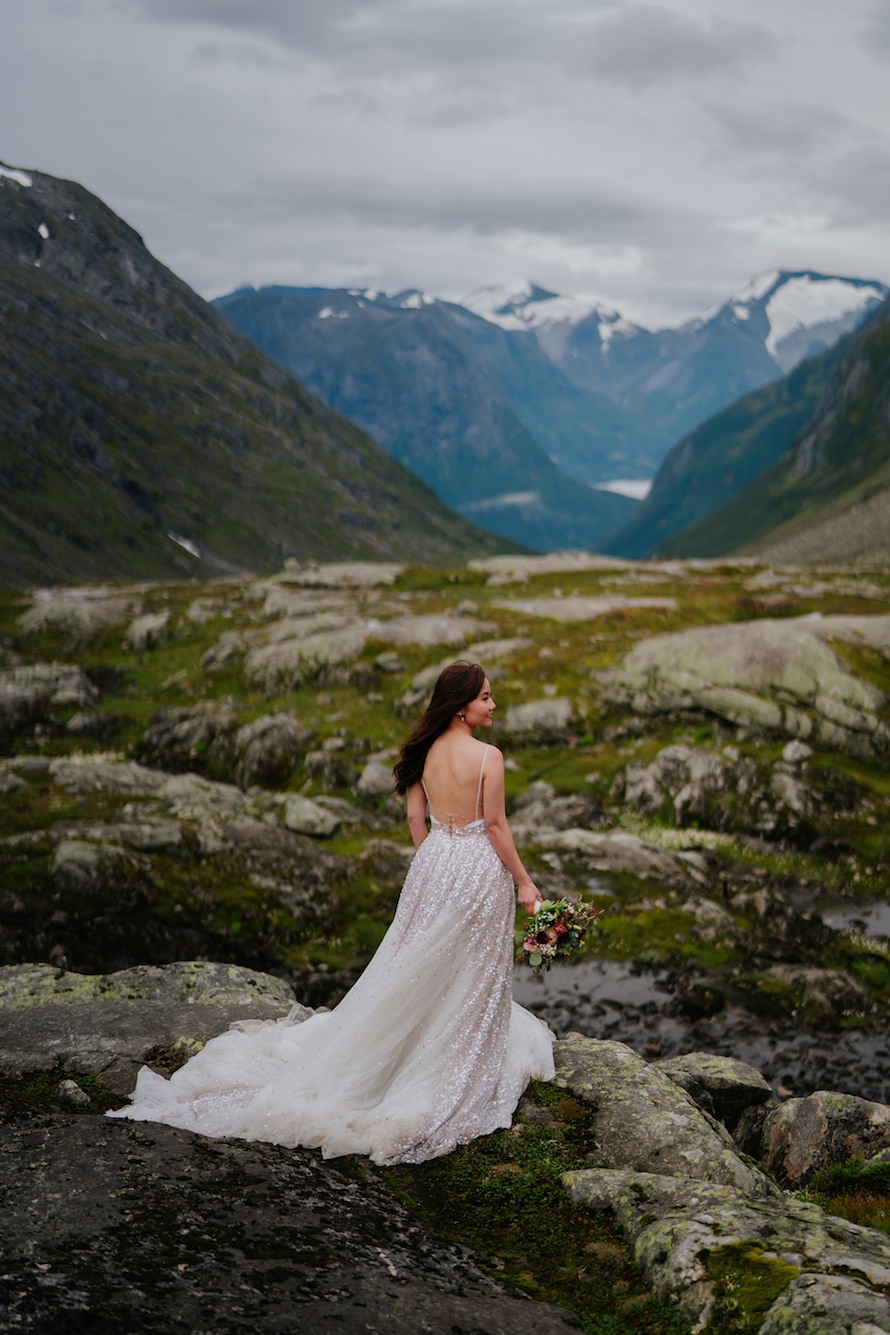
427	1051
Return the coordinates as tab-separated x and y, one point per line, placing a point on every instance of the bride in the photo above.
428	1050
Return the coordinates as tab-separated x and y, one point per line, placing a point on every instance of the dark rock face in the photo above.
156	1230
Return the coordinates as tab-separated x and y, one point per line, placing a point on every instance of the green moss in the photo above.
502	1196
33	1094
747	1283
657	934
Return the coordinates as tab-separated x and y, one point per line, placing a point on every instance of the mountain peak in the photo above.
800	307
533	308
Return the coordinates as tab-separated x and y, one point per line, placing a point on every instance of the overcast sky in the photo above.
654	156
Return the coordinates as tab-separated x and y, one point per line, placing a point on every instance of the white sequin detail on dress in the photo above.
427	1051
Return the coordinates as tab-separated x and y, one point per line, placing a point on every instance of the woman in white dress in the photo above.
428	1050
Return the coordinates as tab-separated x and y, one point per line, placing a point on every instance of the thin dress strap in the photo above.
481	772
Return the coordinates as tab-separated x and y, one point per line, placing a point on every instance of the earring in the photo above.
462	717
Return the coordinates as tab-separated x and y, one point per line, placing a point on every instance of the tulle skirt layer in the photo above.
427	1051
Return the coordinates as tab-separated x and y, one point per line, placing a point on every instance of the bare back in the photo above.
453	779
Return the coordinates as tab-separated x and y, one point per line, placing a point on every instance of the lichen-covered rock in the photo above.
684	1233
33	691
304	816
645	1121
718	790
200	738
827	1305
375	780
723	1086
147	632
804	1135
107	1026
190	797
822	996
79	618
268	751
778	676
80	866
230	646
287	663
93	774
617	851
540	718
580	608
343	574
431	629
190	981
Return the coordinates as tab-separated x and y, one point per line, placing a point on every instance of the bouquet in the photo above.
555	932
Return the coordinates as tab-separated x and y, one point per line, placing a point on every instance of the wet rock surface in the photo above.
110	1226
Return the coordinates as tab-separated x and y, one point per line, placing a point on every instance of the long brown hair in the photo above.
456	686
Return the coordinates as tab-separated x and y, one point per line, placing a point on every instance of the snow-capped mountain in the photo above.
804	312
679	377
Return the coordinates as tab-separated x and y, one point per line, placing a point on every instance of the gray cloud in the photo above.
876	30
639	153
645	44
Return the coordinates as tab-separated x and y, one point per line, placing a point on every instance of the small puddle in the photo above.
868	917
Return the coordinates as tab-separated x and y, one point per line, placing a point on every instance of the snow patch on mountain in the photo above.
531	308
15	175
805	301
756	289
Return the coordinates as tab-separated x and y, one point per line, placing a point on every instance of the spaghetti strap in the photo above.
481	772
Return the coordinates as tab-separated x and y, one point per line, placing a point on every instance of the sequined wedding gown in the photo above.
427	1051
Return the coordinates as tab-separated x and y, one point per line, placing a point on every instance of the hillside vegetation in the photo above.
142	437
826	498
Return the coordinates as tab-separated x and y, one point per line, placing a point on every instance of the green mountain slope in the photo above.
416	379
725	454
142	437
838	468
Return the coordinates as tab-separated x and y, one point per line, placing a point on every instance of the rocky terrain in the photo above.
200	772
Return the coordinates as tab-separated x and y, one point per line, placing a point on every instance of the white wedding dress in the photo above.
427	1051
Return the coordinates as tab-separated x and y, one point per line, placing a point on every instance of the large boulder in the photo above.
304	655
733	1260
304	816
718	790
540	720
147	632
268	751
342	574
645	1121
722	1086
617	851
775	676
80	618
35	691
800	1137
107	1026
579	608
198	737
120	1226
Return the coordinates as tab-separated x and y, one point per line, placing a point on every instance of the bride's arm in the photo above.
417	814
500	834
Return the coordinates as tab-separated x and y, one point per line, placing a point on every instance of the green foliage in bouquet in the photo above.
556	931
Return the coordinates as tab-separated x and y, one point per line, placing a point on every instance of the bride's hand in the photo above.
529	896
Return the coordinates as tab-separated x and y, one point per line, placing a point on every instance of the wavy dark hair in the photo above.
456	686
